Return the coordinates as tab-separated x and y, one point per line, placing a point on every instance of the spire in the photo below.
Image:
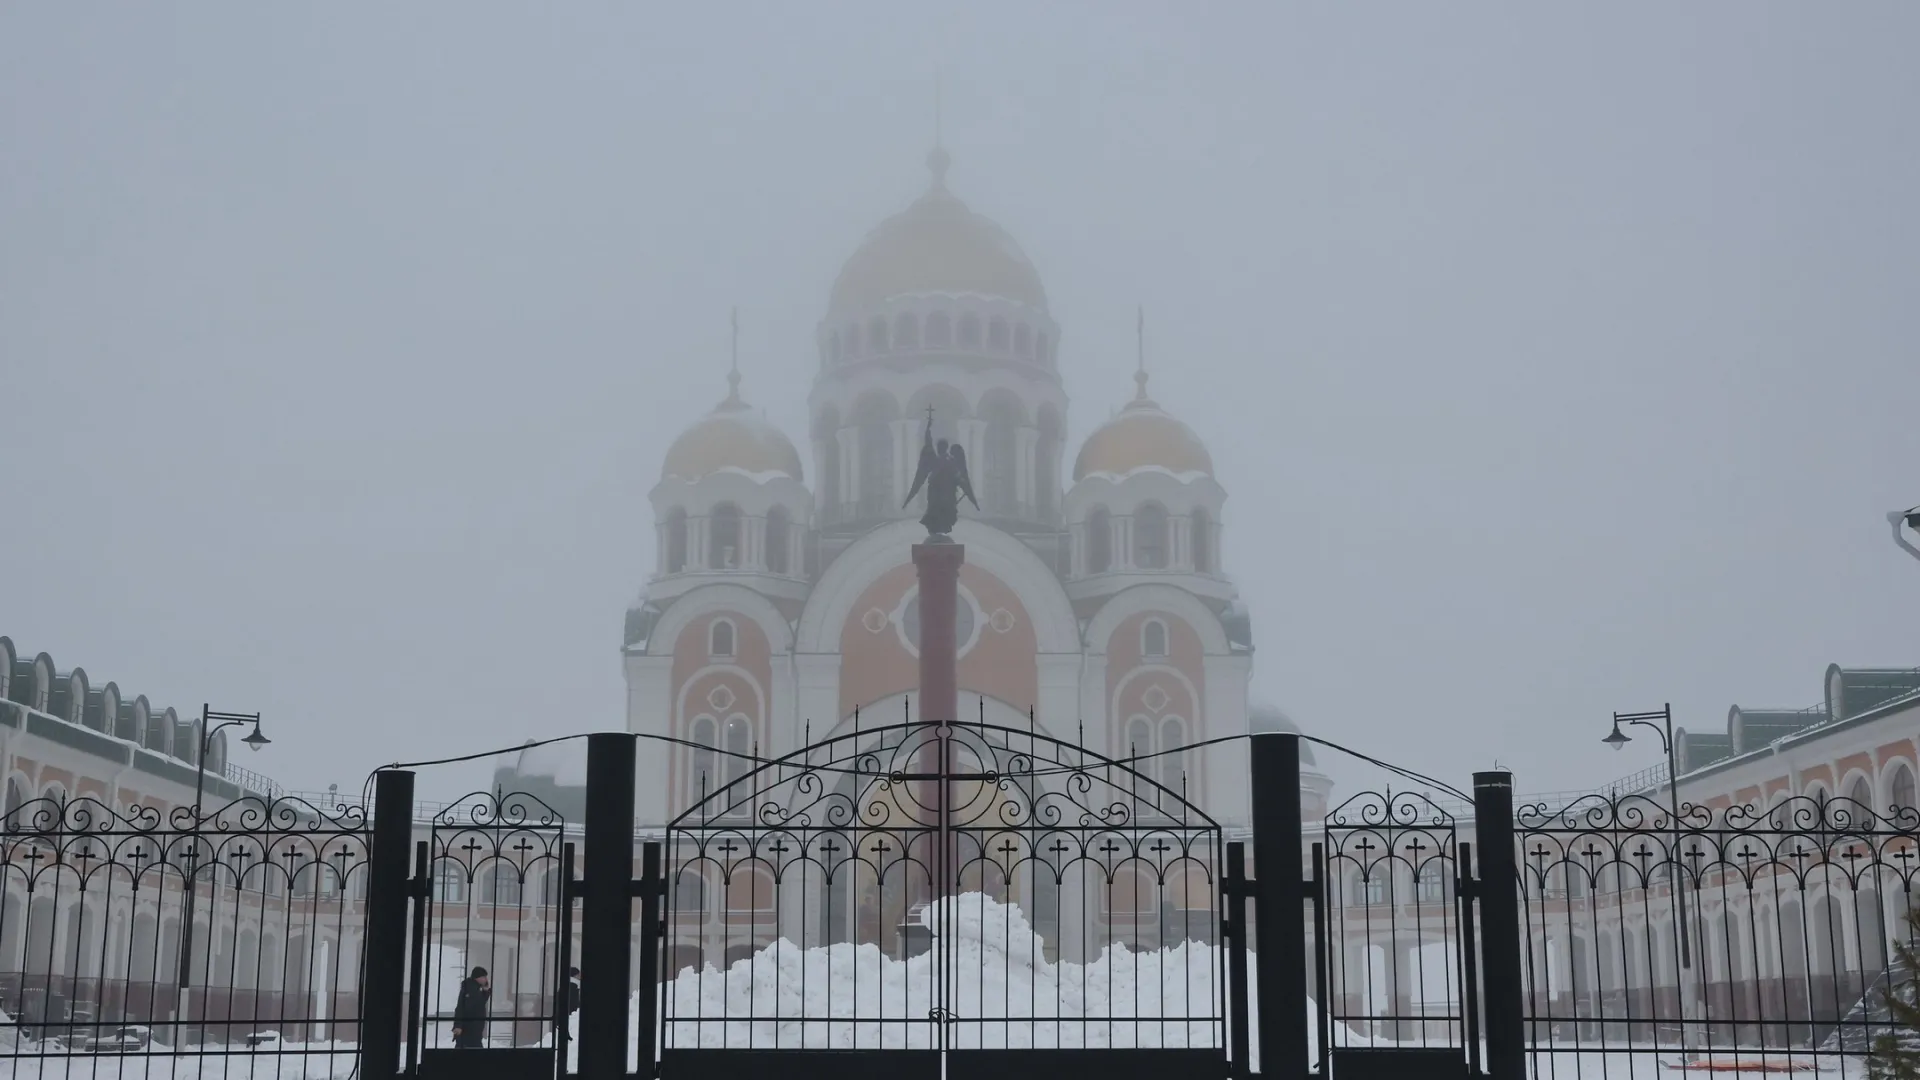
938	160
1140	354
733	369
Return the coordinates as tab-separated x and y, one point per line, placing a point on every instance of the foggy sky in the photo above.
1555	359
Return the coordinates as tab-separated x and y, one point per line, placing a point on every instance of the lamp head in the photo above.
1619	738
256	740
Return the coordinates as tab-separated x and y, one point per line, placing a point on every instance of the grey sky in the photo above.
1556	359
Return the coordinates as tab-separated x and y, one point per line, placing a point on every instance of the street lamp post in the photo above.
210	723
1662	724
1911	519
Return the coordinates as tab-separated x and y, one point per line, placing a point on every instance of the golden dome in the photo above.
1144	435
732	436
936	245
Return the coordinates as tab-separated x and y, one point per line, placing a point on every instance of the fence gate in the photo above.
895	899
1396	968
489	890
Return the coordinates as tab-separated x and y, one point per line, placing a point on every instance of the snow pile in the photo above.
1001	992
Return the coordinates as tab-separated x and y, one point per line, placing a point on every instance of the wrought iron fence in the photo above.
488	966
1736	935
94	965
951	888
1394	963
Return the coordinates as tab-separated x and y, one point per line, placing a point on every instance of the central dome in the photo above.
936	245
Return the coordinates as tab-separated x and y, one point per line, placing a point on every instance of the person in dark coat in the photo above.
470	1011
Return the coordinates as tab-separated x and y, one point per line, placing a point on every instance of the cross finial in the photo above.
733	360
1140	353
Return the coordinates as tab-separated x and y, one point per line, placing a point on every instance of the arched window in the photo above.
723	546
826	440
1900	790
1861	793
16	798
750	890
704	778
449	882
1099	542
939	330
1046	453
777	560
969	337
1002	466
720	638
877	335
906	331
1153	638
1150	538
1173	767
1139	740
739	748
676	541
1202	528
506	886
876	468
997	338
689	894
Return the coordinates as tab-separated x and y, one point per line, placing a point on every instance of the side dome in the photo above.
936	245
1143	436
732	436
1264	716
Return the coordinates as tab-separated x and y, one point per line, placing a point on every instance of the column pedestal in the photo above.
939	569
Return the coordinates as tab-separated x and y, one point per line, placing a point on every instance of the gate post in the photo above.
606	905
652	887
1234	926
1499	898
1277	865
384	971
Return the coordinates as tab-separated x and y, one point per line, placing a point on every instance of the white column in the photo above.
1057	709
973	435
1181	539
1122	526
659	548
1026	488
698	554
1223	712
817	694
783	734
755	557
906	456
1093	703
650	712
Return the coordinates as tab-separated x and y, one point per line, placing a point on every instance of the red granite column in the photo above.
939	568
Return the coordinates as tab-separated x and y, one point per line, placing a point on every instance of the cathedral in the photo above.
1093	599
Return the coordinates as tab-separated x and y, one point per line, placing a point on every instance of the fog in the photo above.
1555	360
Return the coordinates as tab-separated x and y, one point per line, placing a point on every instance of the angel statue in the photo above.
943	472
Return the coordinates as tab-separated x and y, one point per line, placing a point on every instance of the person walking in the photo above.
470	1011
